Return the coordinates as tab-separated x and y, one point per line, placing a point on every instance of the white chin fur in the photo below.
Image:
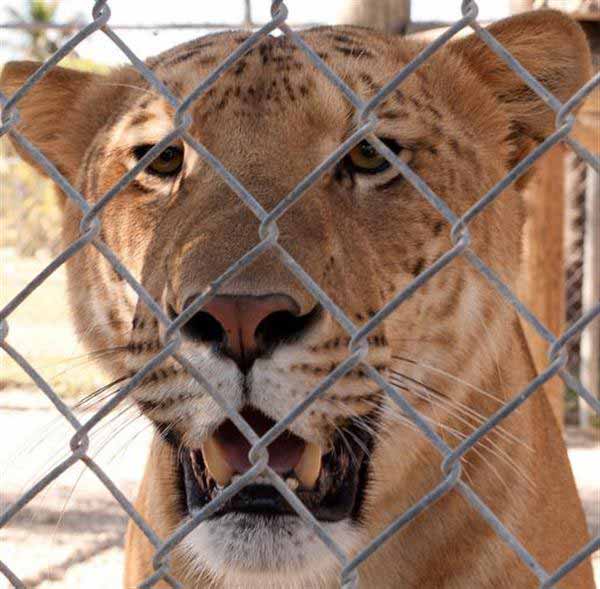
240	552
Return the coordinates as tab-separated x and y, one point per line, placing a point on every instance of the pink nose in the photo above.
245	327
240	316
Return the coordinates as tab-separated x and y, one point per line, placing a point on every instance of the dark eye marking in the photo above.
141	117
390	183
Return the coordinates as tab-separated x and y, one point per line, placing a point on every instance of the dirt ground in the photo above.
71	536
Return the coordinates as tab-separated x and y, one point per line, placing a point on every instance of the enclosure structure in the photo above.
460	233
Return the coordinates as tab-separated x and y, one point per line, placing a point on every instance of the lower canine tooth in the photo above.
309	467
216	464
292	484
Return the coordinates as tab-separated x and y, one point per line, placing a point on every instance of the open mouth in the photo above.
331	485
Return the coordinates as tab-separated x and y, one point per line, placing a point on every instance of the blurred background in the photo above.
76	526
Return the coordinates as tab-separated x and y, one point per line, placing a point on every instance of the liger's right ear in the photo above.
62	112
48	113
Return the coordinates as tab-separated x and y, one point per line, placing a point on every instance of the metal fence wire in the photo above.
358	346
574	250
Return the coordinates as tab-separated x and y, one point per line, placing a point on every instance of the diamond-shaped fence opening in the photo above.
365	121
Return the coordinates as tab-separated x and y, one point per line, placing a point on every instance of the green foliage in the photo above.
41	42
42	10
84	65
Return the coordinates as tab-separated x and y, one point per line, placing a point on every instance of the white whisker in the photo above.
452	377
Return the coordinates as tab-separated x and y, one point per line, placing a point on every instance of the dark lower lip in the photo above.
338	494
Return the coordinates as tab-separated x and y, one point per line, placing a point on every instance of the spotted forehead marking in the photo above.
196	51
349	42
276	76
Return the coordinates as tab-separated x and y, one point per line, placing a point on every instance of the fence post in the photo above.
590	337
386	15
517	6
543	282
588	132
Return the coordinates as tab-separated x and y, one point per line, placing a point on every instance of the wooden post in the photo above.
543	279
386	15
543	288
247	14
517	6
587	131
590	337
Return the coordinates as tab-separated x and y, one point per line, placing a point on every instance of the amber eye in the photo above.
168	163
365	159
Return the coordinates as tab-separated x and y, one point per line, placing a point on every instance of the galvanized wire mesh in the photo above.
574	242
268	232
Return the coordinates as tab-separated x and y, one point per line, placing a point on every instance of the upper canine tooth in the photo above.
215	461
309	467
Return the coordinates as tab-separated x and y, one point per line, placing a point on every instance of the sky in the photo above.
144	44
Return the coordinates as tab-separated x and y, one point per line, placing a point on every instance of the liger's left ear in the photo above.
553	48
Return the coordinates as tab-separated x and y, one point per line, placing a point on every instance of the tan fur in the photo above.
271	120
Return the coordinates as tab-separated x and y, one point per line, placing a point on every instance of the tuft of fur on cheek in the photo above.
238	552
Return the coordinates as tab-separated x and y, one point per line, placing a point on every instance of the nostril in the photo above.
284	327
202	327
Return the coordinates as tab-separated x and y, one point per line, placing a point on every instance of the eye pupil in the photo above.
168	163
168	154
368	151
366	159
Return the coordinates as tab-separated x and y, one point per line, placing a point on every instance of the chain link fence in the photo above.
574	251
357	350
